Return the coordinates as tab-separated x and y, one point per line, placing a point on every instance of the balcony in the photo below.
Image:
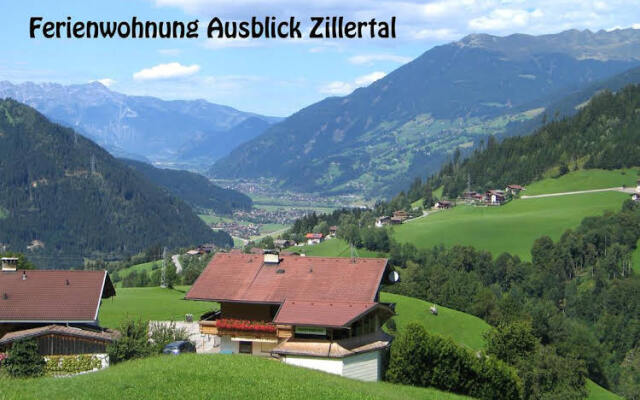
244	328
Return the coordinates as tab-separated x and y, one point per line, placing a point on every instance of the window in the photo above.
244	347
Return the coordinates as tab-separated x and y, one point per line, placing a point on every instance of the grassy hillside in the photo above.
512	227
211	376
585	179
597	392
148	267
333	248
462	328
150	304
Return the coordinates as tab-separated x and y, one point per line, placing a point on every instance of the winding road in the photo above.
613	189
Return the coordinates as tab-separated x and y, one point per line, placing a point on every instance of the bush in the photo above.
67	365
134	342
512	341
421	359
24	360
163	334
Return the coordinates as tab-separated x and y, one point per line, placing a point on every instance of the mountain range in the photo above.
179	133
64	199
375	140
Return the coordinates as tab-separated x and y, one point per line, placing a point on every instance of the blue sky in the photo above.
275	77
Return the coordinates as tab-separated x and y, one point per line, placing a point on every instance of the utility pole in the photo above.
163	279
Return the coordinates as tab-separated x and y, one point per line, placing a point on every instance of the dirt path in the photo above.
613	189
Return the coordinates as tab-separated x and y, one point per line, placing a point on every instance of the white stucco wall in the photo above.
330	365
364	367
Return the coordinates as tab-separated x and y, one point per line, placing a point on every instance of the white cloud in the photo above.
166	71
368	79
435	34
105	81
371	58
501	19
337	88
341	88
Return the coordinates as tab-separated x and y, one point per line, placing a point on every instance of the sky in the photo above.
272	77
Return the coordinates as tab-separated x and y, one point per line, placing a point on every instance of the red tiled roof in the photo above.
244	278
313	236
53	295
58	330
320	313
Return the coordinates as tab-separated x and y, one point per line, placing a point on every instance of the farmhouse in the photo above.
401	215
469	195
495	197
514	189
382	221
333	230
314	238
443	204
283	243
57	308
315	312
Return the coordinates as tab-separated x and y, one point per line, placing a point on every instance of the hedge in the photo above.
421	359
73	364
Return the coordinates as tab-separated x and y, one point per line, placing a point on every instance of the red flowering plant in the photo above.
245	325
3	356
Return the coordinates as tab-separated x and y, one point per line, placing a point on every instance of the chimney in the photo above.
9	264
271	257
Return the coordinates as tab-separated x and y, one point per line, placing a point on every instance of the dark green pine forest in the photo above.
196	190
67	196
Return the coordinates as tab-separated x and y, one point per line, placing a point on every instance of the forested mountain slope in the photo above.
64	199
195	189
373	141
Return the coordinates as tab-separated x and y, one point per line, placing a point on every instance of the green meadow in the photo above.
150	303
510	228
228	377
333	247
462	328
585	180
148	267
